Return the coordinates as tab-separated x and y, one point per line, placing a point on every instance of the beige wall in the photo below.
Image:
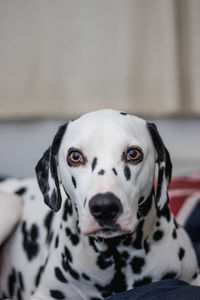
62	58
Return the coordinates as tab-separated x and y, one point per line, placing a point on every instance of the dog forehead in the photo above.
106	126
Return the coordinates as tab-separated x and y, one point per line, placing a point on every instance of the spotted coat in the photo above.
107	229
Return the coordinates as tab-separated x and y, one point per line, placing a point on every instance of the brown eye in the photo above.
134	155
75	157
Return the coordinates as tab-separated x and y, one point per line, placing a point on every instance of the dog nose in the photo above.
105	208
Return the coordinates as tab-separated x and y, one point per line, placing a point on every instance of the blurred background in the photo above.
59	59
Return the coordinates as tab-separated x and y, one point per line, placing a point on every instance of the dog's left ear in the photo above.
164	167
47	173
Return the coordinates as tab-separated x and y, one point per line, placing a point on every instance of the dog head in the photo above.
105	161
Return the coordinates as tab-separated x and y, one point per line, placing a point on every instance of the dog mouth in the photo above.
109	231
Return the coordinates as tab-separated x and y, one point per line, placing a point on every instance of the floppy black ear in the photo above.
164	167
47	174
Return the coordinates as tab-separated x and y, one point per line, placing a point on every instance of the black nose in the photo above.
105	208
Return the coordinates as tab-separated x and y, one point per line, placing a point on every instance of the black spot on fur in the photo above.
73	237
48	225
59	275
142	281
21	191
114	171
175	223
92	243
181	253
101	172
68	268
165	212
56	294
12	283
104	260
94	163
137	263
30	243
127	172
158	234
68	254
146	246
57	241
21	281
125	255
38	276
169	275
119	260
195	275
19	294
74	182
144	206
174	234
123	113
67	210
137	243
86	277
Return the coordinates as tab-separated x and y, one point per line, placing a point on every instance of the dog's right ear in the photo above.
164	167
47	173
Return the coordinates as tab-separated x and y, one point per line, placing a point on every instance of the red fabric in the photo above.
181	189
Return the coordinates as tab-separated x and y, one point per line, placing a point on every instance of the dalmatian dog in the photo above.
105	228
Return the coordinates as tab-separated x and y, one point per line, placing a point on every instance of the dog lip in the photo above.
109	231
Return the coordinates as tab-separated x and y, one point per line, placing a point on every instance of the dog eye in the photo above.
75	157
134	155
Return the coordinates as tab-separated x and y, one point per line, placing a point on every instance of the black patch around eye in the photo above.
114	171
101	172
21	191
157	235
181	253
74	182
127	173
56	294
59	275
94	163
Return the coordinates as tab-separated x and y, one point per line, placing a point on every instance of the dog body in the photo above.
108	230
